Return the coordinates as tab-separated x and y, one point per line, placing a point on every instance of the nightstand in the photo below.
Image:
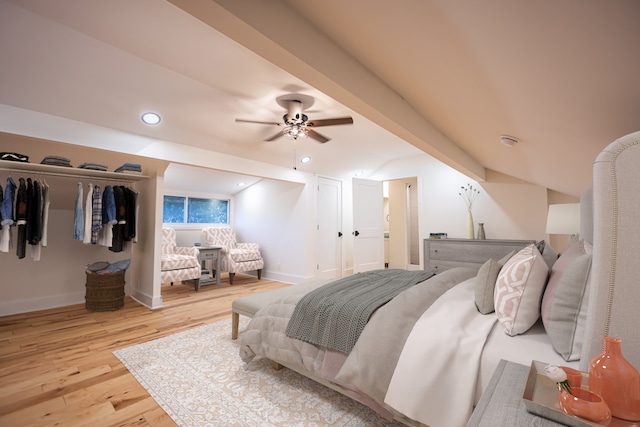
501	403
210	257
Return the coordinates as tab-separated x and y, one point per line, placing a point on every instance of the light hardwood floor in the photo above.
57	366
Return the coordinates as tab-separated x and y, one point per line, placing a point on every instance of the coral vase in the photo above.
585	404
616	380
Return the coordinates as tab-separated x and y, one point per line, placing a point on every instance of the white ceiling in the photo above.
445	77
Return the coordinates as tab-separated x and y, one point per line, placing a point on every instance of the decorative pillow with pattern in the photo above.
519	290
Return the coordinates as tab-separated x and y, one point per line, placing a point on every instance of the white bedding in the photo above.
370	366
532	345
448	366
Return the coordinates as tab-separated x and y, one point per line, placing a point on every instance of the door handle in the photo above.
339	233
356	233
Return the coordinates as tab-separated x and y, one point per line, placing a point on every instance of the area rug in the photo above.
198	378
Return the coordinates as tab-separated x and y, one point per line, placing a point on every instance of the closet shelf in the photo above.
6	165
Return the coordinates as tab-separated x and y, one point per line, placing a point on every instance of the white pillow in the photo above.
518	291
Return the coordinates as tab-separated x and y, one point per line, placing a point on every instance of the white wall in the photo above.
280	216
509	208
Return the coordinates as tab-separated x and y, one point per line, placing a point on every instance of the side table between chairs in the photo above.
210	257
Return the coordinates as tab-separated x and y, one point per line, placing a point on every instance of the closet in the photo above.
58	277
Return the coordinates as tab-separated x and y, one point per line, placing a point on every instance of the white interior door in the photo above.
368	225
329	228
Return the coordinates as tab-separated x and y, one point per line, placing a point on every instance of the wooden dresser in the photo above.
442	254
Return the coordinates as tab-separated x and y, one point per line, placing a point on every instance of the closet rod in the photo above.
68	175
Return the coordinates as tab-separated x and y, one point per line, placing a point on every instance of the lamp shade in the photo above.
564	219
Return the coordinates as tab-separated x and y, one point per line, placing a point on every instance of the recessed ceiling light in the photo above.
305	159
359	173
151	118
241	184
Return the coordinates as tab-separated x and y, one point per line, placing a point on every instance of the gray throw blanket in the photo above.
334	315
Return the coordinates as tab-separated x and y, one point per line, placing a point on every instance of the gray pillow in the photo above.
486	283
565	301
549	255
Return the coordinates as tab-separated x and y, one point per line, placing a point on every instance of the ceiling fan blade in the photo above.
261	123
330	122
318	137
274	137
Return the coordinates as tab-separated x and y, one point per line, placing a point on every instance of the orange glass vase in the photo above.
585	404
616	380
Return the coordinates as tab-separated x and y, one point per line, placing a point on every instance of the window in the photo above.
195	210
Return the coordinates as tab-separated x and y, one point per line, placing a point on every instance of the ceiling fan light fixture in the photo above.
295	131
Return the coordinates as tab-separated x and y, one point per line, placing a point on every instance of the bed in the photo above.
427	353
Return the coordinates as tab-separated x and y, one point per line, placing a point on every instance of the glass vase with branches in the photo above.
469	194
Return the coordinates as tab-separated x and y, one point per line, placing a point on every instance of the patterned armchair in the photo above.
178	263
236	257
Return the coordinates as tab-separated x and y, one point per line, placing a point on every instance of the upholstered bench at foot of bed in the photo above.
249	305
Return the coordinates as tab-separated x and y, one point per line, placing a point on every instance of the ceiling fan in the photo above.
296	124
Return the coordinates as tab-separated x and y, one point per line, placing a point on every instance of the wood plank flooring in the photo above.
57	366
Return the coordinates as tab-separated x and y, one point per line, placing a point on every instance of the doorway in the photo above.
329	202
402	223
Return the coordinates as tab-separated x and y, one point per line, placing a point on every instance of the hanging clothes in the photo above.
130	202
21	218
78	216
117	244
45	213
88	215
8	214
105	235
36	207
96	214
34	216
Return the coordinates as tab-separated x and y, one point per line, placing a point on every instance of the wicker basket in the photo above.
105	292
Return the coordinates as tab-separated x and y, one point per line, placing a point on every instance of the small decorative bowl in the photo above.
585	404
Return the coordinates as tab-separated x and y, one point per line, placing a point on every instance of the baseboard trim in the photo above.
8	308
146	299
286	278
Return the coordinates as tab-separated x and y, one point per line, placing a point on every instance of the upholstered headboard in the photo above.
614	298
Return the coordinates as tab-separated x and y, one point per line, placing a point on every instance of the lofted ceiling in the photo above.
442	77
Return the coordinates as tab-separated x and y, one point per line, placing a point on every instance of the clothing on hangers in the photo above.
96	214
88	214
21	218
7	214
45	212
78	216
